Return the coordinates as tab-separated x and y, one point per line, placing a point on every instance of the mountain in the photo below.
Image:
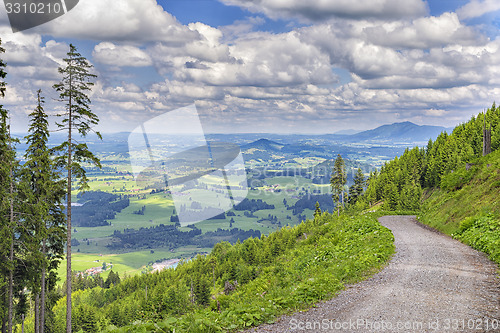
263	144
407	132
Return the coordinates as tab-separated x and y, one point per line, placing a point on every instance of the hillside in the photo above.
399	132
458	185
263	144
290	269
467	205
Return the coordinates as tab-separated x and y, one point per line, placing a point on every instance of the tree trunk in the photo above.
22	325
37	313
68	252
3	292
11	254
42	300
68	213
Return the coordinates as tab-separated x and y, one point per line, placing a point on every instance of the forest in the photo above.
97	208
400	182
169	236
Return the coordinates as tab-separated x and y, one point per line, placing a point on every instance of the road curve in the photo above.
432	284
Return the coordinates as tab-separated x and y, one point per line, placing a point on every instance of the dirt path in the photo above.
432	284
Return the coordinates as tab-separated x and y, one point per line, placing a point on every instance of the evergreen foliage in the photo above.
42	193
356	190
400	182
338	181
236	286
73	89
467	206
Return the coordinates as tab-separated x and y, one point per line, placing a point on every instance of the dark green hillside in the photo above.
322	172
467	206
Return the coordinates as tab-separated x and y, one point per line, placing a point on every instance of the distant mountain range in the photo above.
397	134
405	132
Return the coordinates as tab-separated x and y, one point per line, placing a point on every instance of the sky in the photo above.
270	66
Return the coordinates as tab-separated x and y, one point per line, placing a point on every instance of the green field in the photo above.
115	177
125	263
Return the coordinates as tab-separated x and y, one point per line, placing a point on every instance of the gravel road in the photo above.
432	284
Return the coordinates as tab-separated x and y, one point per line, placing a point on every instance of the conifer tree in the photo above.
337	182
73	89
42	192
7	226
356	190
317	211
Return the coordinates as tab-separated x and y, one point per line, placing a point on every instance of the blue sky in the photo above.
266	65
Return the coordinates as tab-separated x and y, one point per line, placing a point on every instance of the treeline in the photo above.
400	182
168	236
253	205
98	207
309	201
210	238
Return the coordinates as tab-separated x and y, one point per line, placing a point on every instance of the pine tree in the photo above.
337	182
4	230
317	211
356	190
76	82
7	226
42	192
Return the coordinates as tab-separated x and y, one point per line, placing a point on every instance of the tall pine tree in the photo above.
43	193
79	118
356	190
337	182
7	225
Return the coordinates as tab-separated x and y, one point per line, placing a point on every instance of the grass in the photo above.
445	208
467	206
337	251
131	263
160	206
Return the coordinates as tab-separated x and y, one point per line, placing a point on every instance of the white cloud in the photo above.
423	33
259	59
240	27
120	55
399	68
435	112
111	20
316	10
477	8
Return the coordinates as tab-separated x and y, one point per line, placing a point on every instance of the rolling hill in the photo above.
406	132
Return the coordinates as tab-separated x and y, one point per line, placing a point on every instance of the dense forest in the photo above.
253	205
400	182
309	202
97	208
170	237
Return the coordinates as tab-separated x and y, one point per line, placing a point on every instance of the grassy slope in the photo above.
319	257
467	206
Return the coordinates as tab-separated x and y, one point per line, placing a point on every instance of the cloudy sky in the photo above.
282	66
